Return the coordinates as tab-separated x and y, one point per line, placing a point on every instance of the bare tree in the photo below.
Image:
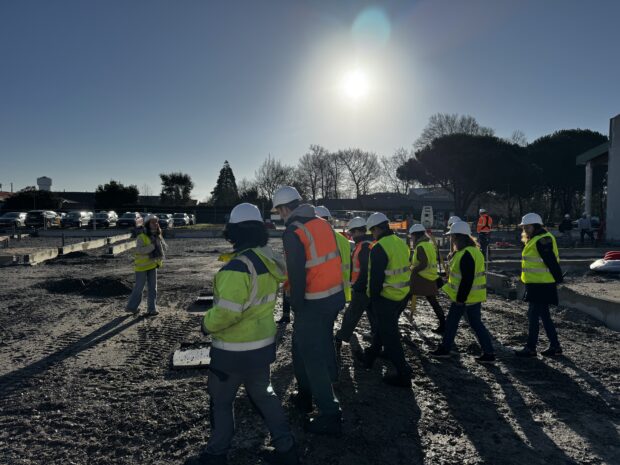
518	137
311	171
443	124
146	190
271	175
362	169
389	166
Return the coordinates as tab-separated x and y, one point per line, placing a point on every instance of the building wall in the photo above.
613	181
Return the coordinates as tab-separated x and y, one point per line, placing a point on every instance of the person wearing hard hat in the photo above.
314	270
344	246
243	332
356	227
424	274
541	273
388	290
584	224
483	228
453	219
565	228
467	289
148	258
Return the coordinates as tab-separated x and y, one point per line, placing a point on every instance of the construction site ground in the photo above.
82	382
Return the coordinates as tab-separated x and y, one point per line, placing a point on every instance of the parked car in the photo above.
104	219
192	219
130	220
165	220
76	219
42	218
181	219
13	219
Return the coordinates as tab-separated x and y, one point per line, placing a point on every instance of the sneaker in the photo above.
133	312
274	457
328	425
302	402
552	351
152	313
397	380
486	358
441	352
525	353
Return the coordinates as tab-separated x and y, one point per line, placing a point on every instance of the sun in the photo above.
355	84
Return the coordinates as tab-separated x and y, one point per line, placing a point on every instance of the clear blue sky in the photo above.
94	90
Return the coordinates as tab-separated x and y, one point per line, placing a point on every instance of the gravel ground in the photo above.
81	382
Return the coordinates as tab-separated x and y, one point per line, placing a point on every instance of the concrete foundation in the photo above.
28	256
81	246
114	250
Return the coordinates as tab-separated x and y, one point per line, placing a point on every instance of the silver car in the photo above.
10	219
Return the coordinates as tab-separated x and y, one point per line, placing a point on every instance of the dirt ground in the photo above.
81	382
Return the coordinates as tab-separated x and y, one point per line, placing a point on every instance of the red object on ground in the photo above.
614	255
504	245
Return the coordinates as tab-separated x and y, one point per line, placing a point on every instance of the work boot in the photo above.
132	311
403	381
441	352
552	351
328	425
152	312
486	358
275	457
363	357
526	352
302	401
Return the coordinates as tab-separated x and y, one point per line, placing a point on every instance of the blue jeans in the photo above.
314	355
540	311
142	278
475	322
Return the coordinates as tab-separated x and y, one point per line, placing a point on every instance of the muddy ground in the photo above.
81	382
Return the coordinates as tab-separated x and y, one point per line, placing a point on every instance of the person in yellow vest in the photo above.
541	273
243	330
359	279
424	273
388	290
467	289
148	258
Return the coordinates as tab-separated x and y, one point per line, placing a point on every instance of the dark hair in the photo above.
147	228
461	241
417	235
360	229
247	233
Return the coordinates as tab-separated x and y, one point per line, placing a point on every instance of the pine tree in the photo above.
225	193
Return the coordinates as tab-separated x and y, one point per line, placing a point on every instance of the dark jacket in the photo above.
362	281
545	293
566	225
296	264
468	272
377	272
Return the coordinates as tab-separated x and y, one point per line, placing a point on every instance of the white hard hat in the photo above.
357	222
284	195
417	228
375	219
245	212
322	212
482	210
531	218
453	219
567	216
150	217
459	227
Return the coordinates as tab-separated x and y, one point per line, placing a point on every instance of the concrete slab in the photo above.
114	250
32	256
6	260
605	309
570	253
192	357
570	264
118	238
81	246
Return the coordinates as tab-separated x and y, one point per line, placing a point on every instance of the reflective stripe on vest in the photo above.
430	272
143	262
478	292
243	346
323	262
533	268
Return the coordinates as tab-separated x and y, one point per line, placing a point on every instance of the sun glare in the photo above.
355	84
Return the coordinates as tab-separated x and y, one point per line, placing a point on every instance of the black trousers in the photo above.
386	314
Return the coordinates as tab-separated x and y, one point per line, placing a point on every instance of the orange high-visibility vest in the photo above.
355	260
484	223
323	263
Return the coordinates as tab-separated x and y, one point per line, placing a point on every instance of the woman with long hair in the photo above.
467	290
149	257
424	275
541	273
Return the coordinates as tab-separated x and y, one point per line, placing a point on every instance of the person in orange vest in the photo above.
485	223
314	271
